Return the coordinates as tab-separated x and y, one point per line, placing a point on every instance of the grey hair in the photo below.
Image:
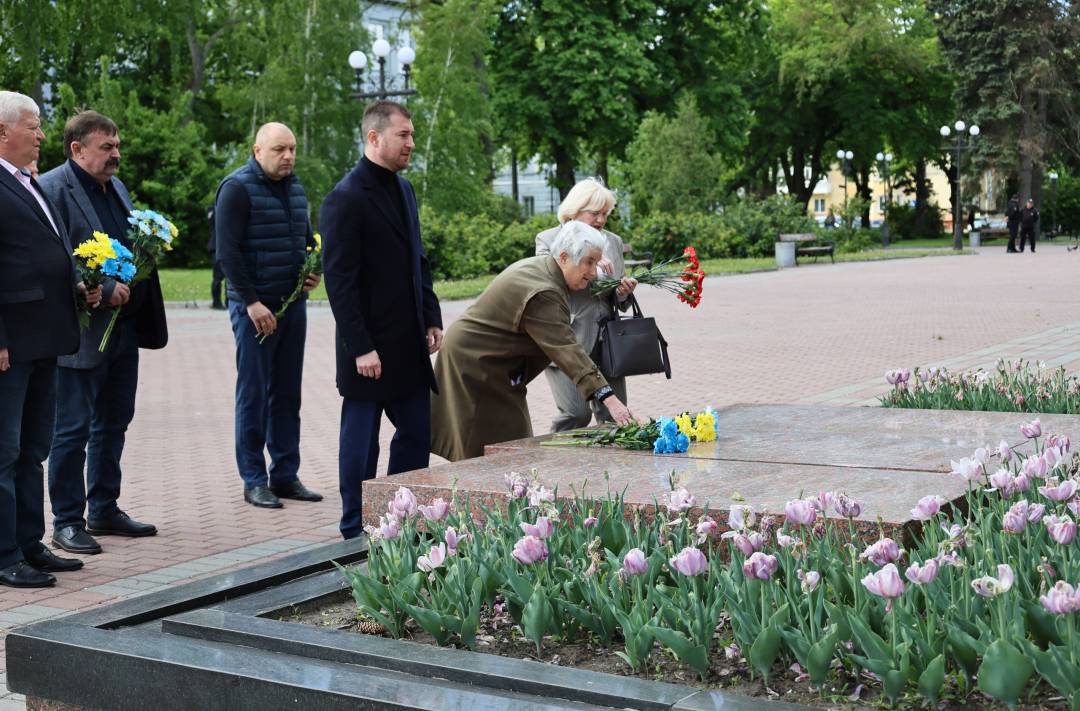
577	239
13	105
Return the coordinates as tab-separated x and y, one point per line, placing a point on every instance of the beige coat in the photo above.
586	309
490	354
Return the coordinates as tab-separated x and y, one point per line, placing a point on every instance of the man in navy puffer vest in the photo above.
263	231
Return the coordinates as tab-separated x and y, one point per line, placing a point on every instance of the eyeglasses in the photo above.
596	213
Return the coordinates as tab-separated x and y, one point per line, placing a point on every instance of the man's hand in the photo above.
434	339
263	318
90	297
626	287
619	412
121	294
5	362
312	281
369	365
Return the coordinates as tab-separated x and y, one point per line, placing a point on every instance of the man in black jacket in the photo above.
96	389
1029	219
37	323
1012	217
263	231
388	318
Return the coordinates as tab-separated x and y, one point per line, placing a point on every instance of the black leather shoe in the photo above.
24	575
48	562
295	490
75	540
262	497
218	307
119	524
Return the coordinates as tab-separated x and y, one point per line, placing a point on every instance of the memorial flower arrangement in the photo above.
150	235
100	258
312	265
681	276
668	435
1012	386
984	597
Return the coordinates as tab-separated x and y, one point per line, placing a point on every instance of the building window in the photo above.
528	204
819	204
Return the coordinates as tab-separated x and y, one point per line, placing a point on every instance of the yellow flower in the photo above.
704	427
685	424
96	250
318	242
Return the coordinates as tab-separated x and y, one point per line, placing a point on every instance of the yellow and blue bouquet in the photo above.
99	258
312	265
667	435
150	235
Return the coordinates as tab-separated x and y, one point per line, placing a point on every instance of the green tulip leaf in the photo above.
932	680
869	642
963	651
893	683
797	643
1054	668
685	650
764	650
820	657
431	621
1004	672
537	617
1041	624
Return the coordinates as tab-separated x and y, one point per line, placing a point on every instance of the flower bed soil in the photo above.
499	635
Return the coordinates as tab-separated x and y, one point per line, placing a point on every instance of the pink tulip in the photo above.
786	541
1061	492
1061	528
1032	429
590	522
436	511
690	562
454	539
740	517
1013	522
897	377
1004	451
809	580
847	506
389	527
543	528
1052	457
824	501
1026	512
921	575
956	533
800	512
928	507
882	552
404	503
967	469
634	562
746	543
1061	599
517	484
706	526
885	583
1061	442
989	586
529	550
1074	506
760	566
1036	467
681	500
434	559
951	559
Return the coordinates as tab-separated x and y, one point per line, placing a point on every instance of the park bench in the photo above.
809	245
633	259
987	234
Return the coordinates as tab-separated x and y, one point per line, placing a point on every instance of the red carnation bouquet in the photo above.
681	276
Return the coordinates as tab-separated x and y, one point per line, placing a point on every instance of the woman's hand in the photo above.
619	412
626	287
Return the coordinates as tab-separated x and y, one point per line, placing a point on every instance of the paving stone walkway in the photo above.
814	334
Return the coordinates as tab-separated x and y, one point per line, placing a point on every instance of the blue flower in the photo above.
682	443
658	446
127	272
122	252
668	428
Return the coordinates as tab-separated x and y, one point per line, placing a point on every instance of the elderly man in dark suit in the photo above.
388	318
37	323
96	389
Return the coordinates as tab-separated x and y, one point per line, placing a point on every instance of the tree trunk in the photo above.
602	168
922	200
514	174
564	171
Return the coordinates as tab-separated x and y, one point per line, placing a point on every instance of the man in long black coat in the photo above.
388	320
1029	218
1012	217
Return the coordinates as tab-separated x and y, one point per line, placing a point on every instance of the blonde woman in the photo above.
589	202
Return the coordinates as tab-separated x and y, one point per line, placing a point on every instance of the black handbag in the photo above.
631	345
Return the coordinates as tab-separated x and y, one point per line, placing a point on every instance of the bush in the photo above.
516	241
666	235
904	223
454	243
758	222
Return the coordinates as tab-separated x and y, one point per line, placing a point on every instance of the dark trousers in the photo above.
358	448
27	408
1013	228
1026	233
216	283
94	407
268	377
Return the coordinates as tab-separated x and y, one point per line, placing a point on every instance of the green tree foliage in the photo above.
672	164
452	109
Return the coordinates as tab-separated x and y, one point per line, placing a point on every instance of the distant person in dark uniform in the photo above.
971	218
1029	219
218	279
1012	215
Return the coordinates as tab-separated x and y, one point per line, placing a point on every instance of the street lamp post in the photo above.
883	160
845	165
384	89
959	146
1053	203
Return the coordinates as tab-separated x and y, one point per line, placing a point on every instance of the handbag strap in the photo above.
663	354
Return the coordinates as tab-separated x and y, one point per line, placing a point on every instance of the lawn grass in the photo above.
194	284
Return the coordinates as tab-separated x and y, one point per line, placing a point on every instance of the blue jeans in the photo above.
358	448
94	407
268	377
27	408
